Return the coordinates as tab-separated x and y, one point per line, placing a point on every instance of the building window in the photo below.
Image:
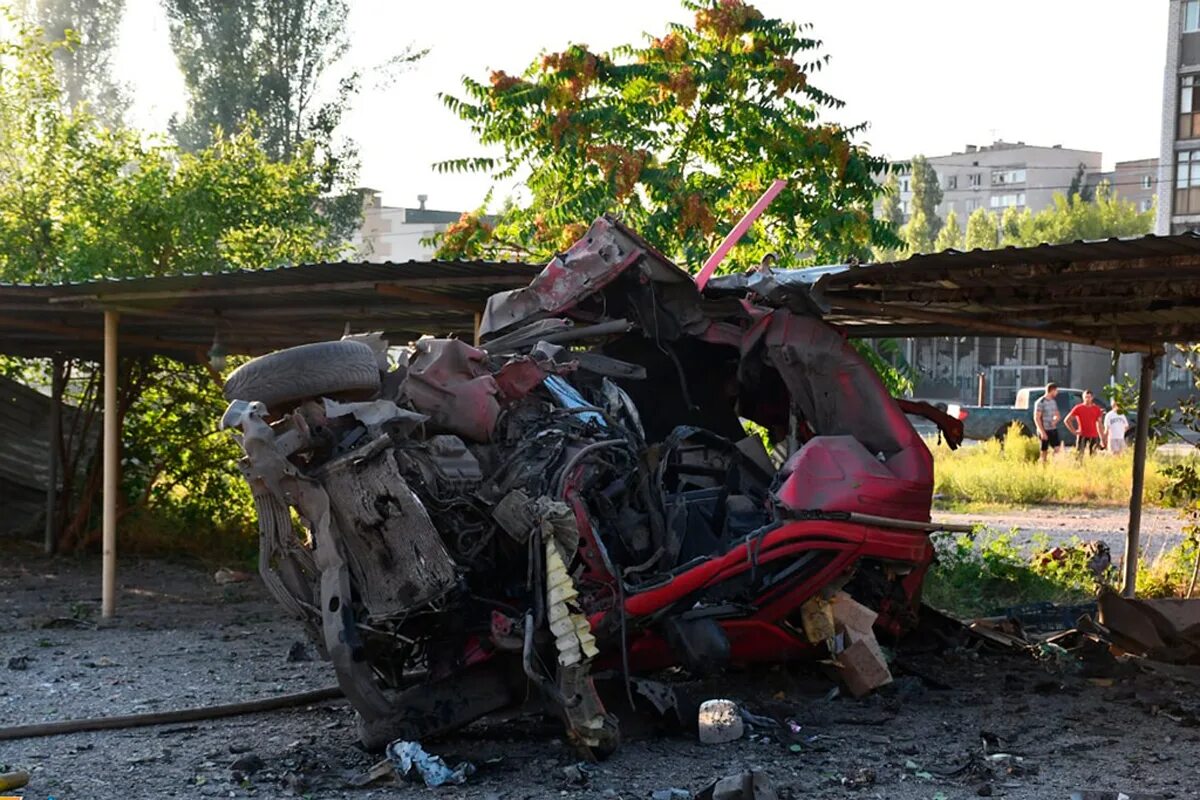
1191	16
1147	181
1147	205
972	203
951	181
904	185
1187	183
1189	106
975	179
1001	177
1008	200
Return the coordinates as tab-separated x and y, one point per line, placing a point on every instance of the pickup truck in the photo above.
987	422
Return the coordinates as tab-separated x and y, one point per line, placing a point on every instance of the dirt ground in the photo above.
1160	529
181	640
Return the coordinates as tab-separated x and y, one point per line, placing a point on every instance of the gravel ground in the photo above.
1160	526
181	640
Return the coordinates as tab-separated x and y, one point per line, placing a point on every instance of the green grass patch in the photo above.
985	573
1009	473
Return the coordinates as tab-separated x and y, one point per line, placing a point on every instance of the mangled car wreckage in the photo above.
576	496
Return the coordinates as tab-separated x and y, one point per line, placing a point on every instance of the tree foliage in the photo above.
950	237
679	136
81	201
85	33
276	62
983	230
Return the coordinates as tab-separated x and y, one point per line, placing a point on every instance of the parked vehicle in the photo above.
992	422
576	496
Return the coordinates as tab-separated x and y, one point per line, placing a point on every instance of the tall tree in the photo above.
268	61
79	200
950	237
983	231
918	233
680	136
86	34
891	209
926	193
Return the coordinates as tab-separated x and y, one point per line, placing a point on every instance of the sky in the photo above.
930	76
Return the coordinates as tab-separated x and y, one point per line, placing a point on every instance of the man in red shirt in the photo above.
1086	418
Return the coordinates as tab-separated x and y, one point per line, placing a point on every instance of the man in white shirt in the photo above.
1115	426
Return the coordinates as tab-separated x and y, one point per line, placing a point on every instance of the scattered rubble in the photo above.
409	757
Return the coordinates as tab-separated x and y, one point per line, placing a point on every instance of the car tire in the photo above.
309	370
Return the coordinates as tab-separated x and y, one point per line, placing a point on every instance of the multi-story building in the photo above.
394	233
1135	181
1003	174
1179	199
997	177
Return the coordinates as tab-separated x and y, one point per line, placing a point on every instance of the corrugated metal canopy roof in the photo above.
1125	294
255	311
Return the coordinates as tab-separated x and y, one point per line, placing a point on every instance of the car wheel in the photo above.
309	370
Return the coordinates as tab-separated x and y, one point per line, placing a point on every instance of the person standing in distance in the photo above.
1116	425
1086	416
1046	418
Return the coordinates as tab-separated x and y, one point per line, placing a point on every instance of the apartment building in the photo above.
1179	199
1003	175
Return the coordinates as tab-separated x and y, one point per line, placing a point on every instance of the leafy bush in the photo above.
983	574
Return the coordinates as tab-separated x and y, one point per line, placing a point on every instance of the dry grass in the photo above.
1008	472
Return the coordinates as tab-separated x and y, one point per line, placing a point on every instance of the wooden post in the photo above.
478	322
112	465
980	395
1133	534
57	378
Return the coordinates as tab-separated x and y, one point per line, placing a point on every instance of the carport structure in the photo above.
1127	295
193	317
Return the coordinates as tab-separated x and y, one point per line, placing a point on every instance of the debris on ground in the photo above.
408	758
751	785
720	721
14	780
225	575
860	661
672	793
19	663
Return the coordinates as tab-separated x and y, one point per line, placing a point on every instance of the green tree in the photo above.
679	136
918	234
890	210
86	32
79	200
1072	219
926	193
983	231
268	60
1079	186
951	235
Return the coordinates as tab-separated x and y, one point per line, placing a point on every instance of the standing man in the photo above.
1045	417
1116	425
1086	417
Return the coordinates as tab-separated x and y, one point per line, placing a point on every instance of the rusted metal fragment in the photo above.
449	380
396	557
608	249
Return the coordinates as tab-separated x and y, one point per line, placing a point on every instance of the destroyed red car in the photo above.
577	496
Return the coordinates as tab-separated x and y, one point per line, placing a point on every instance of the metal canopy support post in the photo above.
57	379
1139	476
112	465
